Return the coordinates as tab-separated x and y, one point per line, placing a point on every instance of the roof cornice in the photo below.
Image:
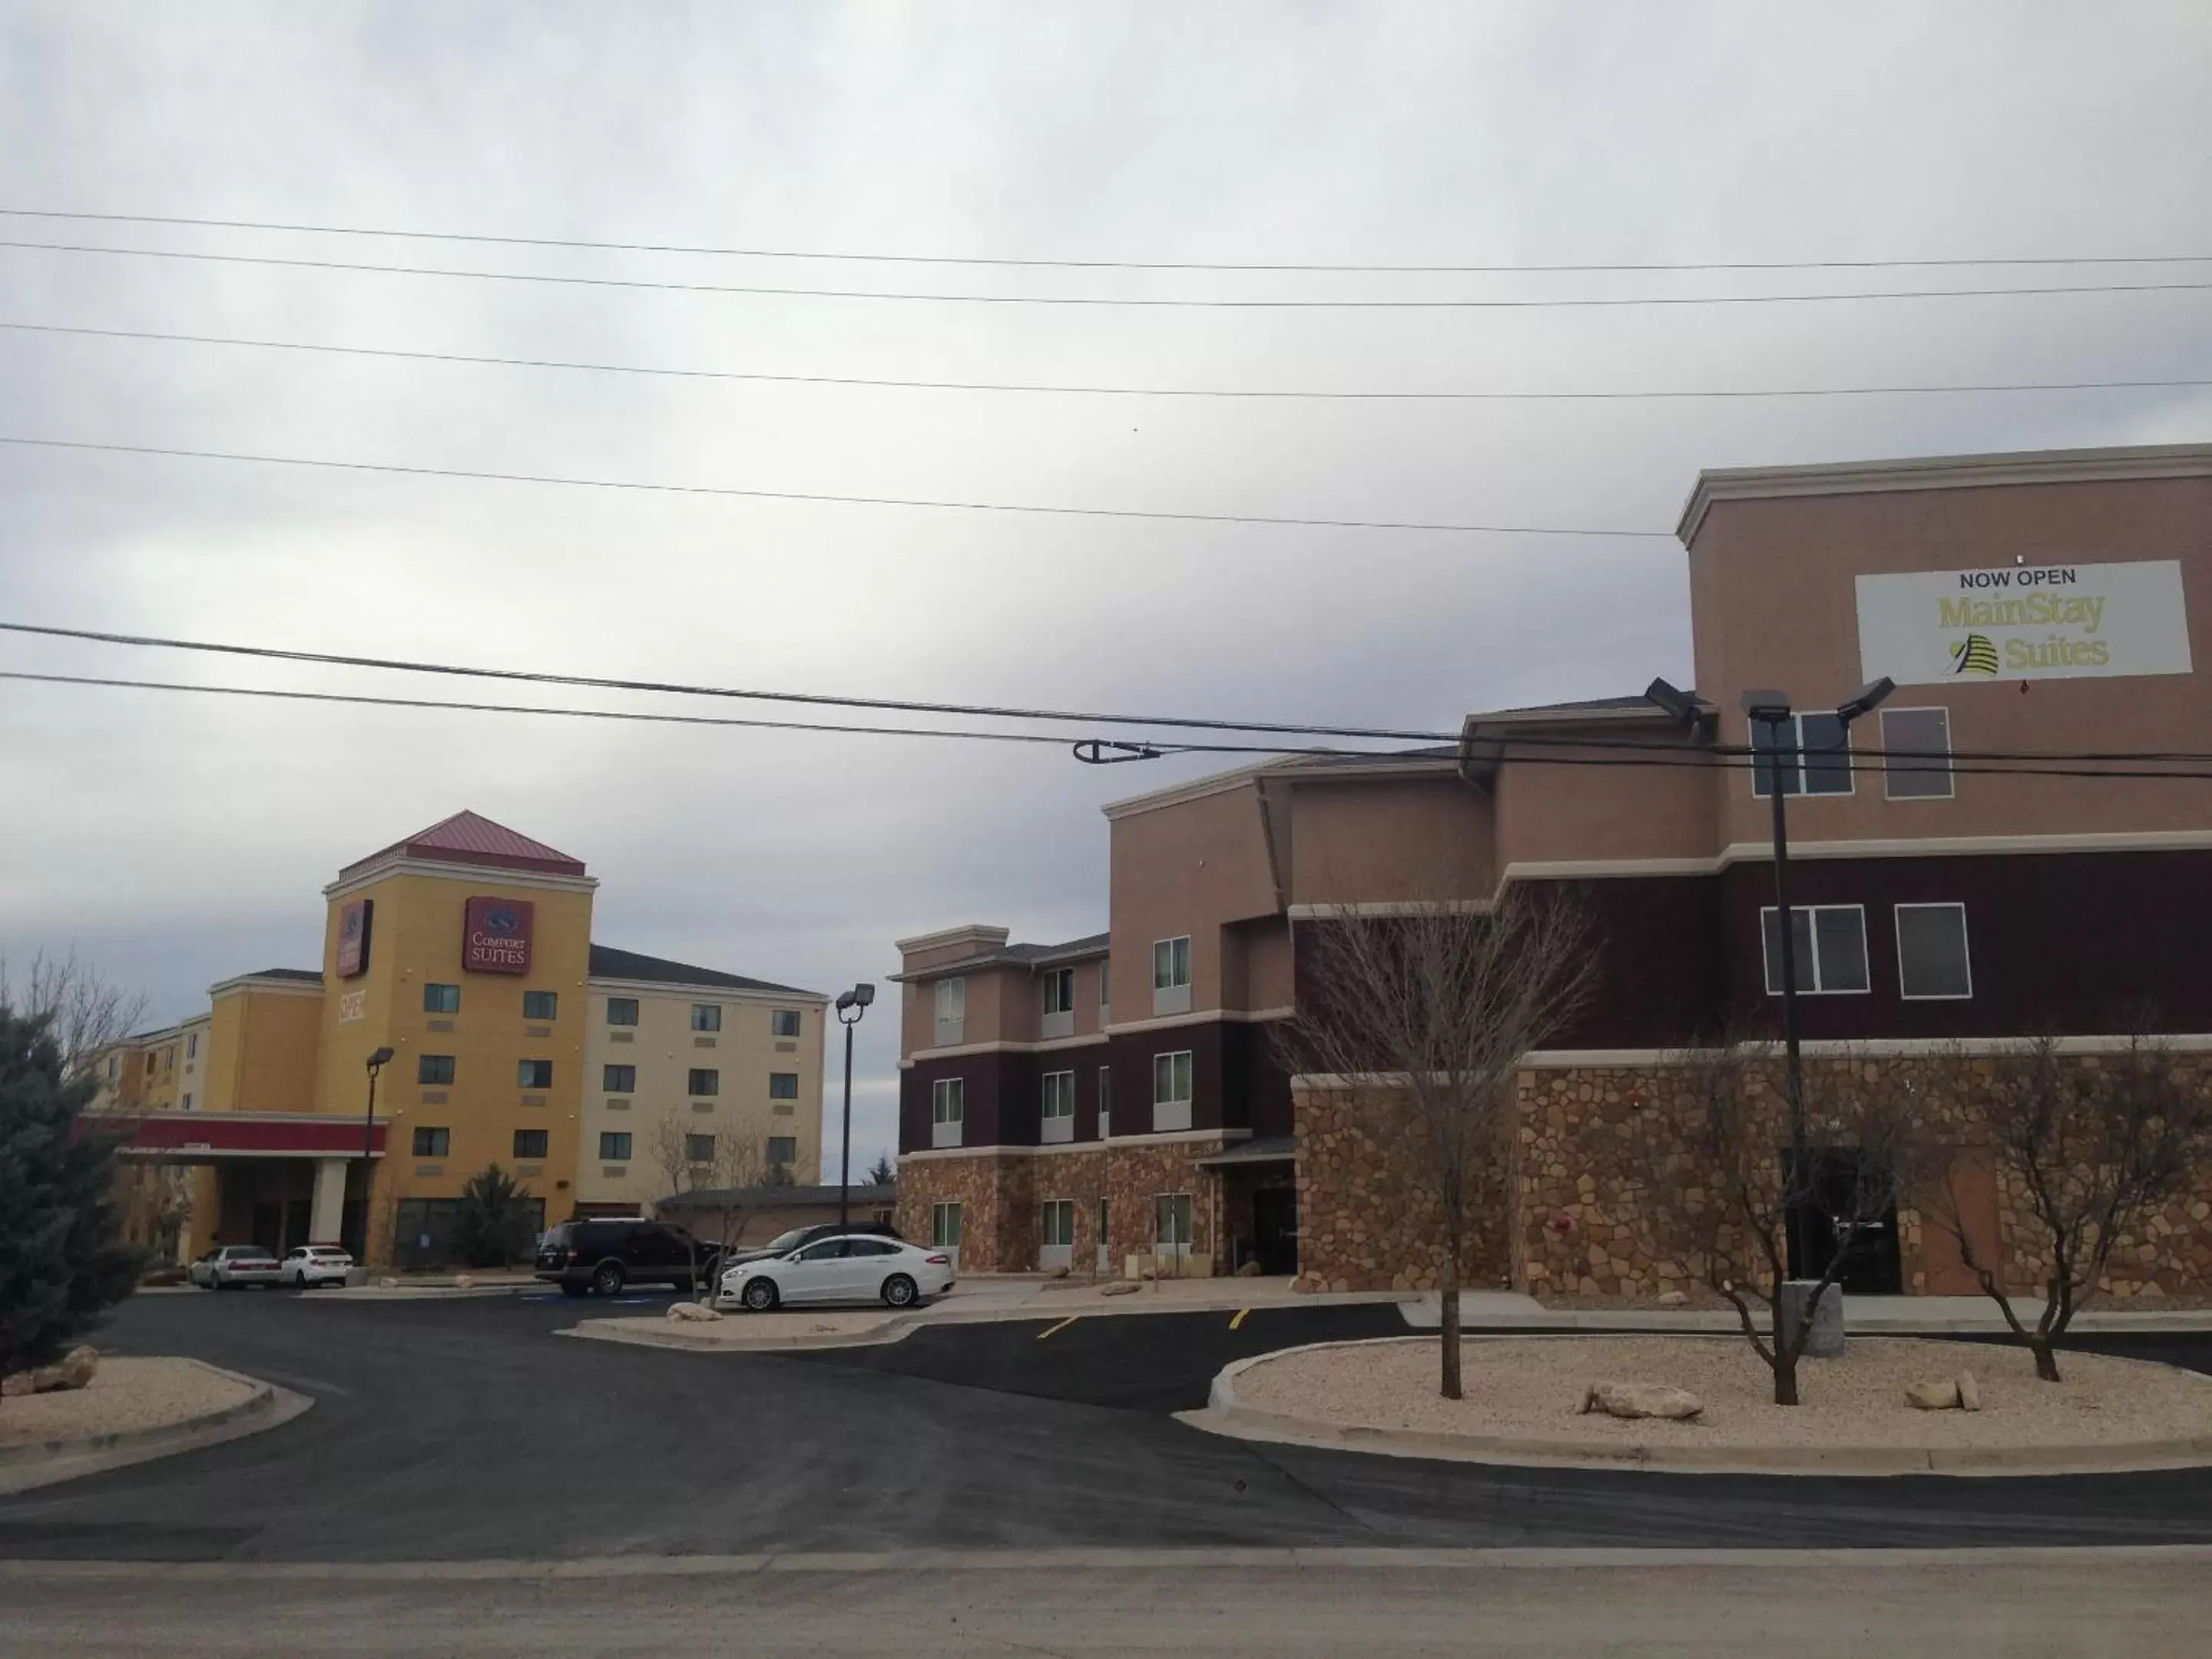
782	999
482	874
2044	466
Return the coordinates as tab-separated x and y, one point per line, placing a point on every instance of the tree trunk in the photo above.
2046	1361
1448	1325
1785	1370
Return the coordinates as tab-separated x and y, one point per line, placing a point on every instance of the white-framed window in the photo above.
1172	1223
1915	746
1105	986
952	1010
1171	975
1105	1101
948	1110
706	1016
945	1227
1057	1218
1827	945
1811	753
1171	1090
1058	1109
1933	961
1060	991
783	1023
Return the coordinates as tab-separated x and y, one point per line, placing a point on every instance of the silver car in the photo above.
232	1266
309	1265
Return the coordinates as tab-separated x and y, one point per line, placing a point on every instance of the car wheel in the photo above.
899	1291
607	1278
569	1287
760	1295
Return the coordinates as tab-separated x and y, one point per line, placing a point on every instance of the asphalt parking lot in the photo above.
467	1429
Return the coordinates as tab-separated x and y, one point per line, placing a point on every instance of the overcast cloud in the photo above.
174	840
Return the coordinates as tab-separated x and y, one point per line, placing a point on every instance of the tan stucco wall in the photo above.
266	1051
1190	868
1367	841
665	1049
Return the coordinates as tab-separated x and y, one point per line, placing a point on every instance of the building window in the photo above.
433	1143
621	1011
1105	986
1916	754
1811	754
186	1105
1171	1222
1827	948
192	1046
1058	1217
948	1110
1060	991
782	1152
618	1079
704	1080
783	1023
540	1004
706	1016
112	1063
441	998
535	1074
1105	1101
613	1146
1171	1090
698	1149
433	1069
783	1086
149	1063
945	1227
1171	963
1931	952
1058	1109
951	1011
530	1143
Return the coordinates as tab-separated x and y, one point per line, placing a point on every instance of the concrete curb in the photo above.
1627	1321
45	1462
1225	1414
676	1336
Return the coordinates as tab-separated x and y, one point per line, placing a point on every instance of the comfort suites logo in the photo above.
2025	621
496	936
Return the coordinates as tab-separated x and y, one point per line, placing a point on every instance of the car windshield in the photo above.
786	1241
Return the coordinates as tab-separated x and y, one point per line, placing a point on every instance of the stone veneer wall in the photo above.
1368	1222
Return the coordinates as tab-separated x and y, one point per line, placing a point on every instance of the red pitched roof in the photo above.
470	838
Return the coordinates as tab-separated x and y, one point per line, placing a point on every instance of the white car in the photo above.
306	1265
231	1266
850	1267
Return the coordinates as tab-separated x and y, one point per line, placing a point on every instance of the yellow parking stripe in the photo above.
1062	1326
1239	1320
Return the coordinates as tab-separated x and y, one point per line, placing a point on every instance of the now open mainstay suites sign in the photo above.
496	936
2049	622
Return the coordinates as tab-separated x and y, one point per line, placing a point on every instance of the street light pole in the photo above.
855	1000
377	1062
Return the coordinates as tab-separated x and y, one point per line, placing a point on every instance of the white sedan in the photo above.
229	1267
850	1267
307	1265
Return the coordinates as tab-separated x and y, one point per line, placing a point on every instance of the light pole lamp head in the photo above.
379	1059
864	994
1768	706
1865	701
844	1000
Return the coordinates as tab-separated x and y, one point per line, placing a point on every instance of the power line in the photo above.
1102	264
1585	302
394	352
484	475
1683	756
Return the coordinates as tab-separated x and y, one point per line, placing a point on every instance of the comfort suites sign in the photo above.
496	936
2052	622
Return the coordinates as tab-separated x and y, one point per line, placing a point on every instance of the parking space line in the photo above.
1062	1326
1239	1319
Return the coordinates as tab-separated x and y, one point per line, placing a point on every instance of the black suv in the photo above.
799	1238
581	1256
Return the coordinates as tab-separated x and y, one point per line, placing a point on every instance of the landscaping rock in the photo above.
1937	1394
15	1384
1641	1399
464	1281
73	1370
1249	1270
1970	1393
1120	1287
1674	1298
1057	1272
696	1312
387	1283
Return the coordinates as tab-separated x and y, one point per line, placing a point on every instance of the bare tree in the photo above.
720	1176
1422	1017
155	1201
87	1013
2086	1148
1758	1196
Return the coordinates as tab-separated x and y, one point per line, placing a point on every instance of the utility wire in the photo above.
1705	761
1108	300
394	352
1096	264
481	475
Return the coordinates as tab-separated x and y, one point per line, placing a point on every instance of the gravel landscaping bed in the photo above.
123	1395
1532	1387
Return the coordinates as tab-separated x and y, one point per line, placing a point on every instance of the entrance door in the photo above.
1872	1263
1275	1229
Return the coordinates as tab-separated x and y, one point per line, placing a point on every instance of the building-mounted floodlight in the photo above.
1676	703
1865	701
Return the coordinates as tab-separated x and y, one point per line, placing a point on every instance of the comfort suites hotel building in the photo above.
1105	1101
466	951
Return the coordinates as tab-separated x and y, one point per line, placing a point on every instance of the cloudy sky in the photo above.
174	839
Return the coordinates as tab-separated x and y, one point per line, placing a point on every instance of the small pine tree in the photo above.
880	1173
62	1262
493	1225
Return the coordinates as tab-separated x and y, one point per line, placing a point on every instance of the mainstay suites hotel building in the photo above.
1120	1099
